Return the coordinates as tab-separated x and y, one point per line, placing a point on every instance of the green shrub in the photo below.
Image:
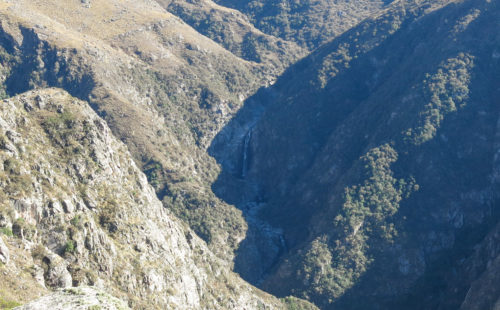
8	304
6	231
3	94
77	221
70	247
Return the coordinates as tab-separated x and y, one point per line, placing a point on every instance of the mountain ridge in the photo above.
332	150
349	160
88	215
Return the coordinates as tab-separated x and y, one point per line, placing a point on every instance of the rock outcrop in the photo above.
74	196
78	298
4	252
164	89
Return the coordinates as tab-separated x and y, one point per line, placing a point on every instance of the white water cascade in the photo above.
246	144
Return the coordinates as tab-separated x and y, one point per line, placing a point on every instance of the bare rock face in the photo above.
4	252
124	58
57	274
78	298
89	217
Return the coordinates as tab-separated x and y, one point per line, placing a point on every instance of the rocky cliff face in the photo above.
376	156
73	197
164	89
365	176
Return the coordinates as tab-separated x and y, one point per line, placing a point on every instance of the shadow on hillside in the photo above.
233	150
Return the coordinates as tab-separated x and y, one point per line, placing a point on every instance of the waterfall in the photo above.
246	144
283	248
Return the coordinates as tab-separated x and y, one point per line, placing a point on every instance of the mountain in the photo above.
78	211
176	154
375	158
164	90
234	32
309	23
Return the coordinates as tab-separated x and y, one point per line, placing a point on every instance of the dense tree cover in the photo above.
445	91
334	262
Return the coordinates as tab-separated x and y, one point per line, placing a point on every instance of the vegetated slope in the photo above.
308	23
377	157
164	89
72	195
233	31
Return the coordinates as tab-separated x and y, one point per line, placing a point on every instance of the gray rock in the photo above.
57	274
40	101
38	275
86	3
126	243
4	252
76	298
56	207
68	206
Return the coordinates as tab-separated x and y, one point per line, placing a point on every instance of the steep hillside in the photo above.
74	203
309	23
164	89
231	29
365	176
375	158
